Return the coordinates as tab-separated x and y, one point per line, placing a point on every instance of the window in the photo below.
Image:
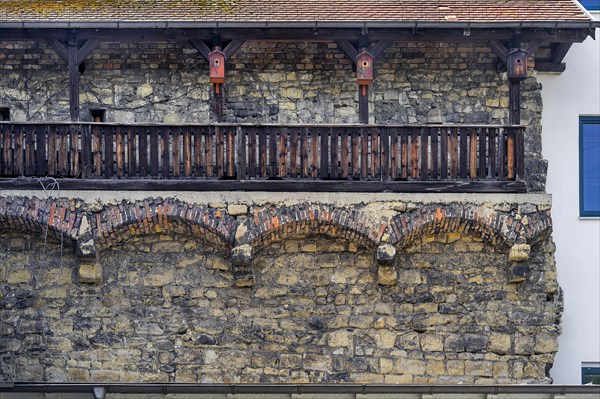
98	115
589	166
591	5
4	114
590	373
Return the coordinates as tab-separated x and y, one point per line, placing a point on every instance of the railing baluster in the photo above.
7	150
334	153
344	152
501	154
510	153
304	152
424	153
492	134
454	153
282	152
251	152
165	143
241	165
520	152
231	166
482	134
473	153
404	157
314	153
131	151
120	150
273	152
385	153
356	138
414	154
18	132
63	148
74	150
142	151
208	150
444	154
197	138
464	152
434	153
364	153
375	146
324	167
86	151
293	132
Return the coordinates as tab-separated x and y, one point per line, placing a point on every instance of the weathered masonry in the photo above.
215	192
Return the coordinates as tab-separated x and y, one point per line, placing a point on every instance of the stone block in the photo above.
386	275
237	209
386	254
518	272
19	277
241	255
519	252
90	272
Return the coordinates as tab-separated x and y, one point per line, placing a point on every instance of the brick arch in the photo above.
269	224
60	217
501	229
118	224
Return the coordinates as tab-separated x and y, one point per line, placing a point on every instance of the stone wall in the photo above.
389	292
273	82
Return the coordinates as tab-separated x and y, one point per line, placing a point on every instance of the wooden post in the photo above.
72	49
217	101
363	104
514	102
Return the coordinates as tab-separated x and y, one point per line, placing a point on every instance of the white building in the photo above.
570	99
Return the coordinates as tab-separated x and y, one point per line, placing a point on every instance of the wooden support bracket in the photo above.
83	50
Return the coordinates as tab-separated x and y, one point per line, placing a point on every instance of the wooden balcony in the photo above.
219	157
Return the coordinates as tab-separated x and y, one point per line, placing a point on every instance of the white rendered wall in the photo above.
567	96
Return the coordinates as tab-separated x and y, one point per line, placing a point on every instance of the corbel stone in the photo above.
386	274
241	257
519	252
90	270
519	269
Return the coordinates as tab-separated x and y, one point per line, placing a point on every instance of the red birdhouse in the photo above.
216	59
517	64
364	68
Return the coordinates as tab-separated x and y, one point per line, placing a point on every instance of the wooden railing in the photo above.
253	152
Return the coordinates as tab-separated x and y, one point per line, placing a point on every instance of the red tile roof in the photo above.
288	11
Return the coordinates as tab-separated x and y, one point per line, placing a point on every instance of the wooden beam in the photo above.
302	34
499	49
86	49
72	49
533	46
363	104
288	185
514	102
232	47
59	48
348	49
545	66
377	48
201	47
559	53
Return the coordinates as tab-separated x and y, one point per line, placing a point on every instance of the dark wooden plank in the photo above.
198	138
74	141
394	154
384	134
30	150
232	47
272	151
510	154
435	172
154	151
220	150
252	152
52	150
40	151
454	153
324	160
404	148
464	151
289	185
304	156
334	151
356	139
143	151
314	152
363	104
473	153
209	136
375	163
165	143
217	103
262	153
63	151
514	102
501	154
492	134
424	153
294	164
120	150
7	150
482	153
444	153
519	153
176	152
86	151
345	143
18	154
187	151
364	152
131	151
414	153
348	49
231	165
282	152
